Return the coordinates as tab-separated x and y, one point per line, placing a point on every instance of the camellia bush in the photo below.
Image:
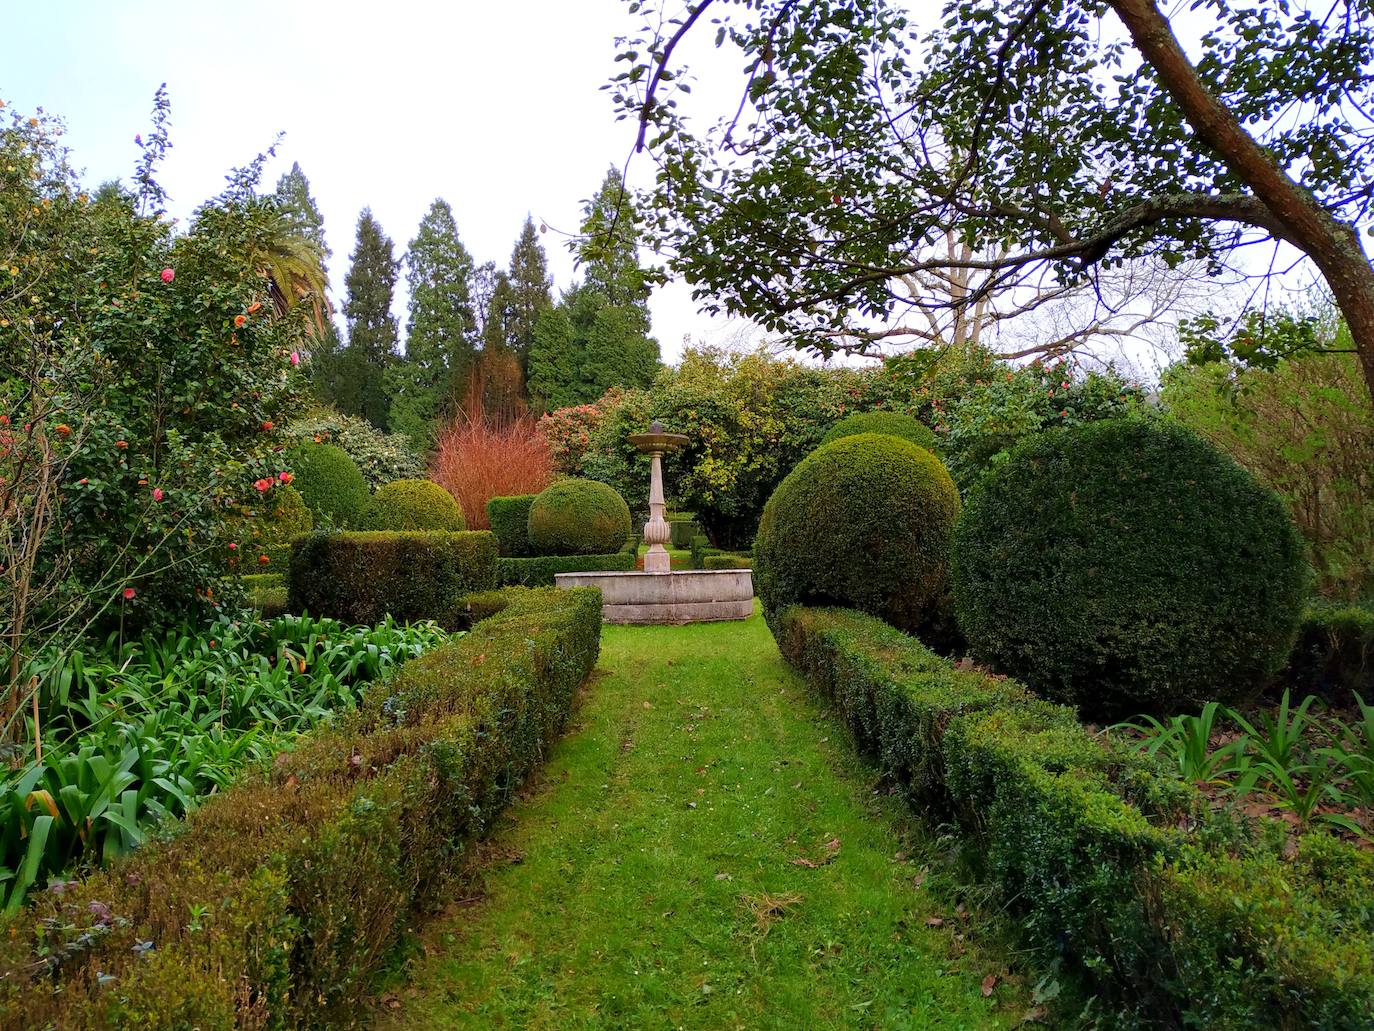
1128	566
154	364
864	522
381	457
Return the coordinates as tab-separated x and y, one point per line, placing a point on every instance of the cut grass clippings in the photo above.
704	852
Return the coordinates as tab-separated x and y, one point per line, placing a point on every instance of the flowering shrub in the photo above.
570	431
381	457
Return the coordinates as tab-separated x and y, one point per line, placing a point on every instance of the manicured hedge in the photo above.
331	484
1113	865
510	518
1334	655
894	424
863	522
727	561
681	530
578	517
412	505
281	899
361	577
266	593
1128	566
540	571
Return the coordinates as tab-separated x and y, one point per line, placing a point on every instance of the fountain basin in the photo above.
685	596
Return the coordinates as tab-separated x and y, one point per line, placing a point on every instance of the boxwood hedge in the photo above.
509	518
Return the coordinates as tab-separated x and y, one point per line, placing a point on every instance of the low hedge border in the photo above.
409	575
1176	916
681	530
540	571
1334	654
277	903
727	560
509	518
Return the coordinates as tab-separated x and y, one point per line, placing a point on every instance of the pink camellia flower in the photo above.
295	358
129	593
168	275
263	485
233	546
285	477
157	493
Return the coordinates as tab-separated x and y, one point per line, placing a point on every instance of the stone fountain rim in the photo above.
658	441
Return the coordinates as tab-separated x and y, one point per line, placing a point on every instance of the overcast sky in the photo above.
496	107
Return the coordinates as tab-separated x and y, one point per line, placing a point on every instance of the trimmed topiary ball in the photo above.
1128	566
894	424
331	484
865	523
578	517
413	505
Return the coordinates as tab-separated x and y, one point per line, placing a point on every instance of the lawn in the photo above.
703	852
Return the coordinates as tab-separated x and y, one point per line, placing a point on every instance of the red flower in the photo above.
121	444
254	308
263	485
285	477
157	493
263	560
233	546
129	593
64	429
239	320
167	275
267	425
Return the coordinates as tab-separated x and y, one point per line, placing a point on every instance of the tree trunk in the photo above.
1333	246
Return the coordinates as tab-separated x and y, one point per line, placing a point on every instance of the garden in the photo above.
1056	703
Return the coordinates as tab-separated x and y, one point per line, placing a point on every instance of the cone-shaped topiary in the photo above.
578	517
894	424
863	522
412	505
331	484
1128	566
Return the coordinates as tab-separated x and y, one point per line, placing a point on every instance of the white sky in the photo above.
496	107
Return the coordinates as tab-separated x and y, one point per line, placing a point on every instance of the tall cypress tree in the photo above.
441	328
370	284
530	285
607	249
293	196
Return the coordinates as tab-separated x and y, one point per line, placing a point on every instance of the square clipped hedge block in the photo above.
409	575
510	521
311	872
681	531
540	571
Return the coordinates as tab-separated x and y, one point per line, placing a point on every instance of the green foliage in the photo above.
578	517
727	561
408	575
1334	653
302	213
293	887
381	457
1303	424
509	519
681	532
1126	566
152	363
331	484
539	571
441	331
529	296
863	522
585	346
372	334
892	423
267	530
412	505
194	710
1089	843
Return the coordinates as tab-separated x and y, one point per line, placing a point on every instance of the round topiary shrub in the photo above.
865	523
894	424
331	484
1128	566
578	517
413	505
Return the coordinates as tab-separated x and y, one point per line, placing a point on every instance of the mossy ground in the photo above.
704	851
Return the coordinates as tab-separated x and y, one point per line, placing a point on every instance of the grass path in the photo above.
703	851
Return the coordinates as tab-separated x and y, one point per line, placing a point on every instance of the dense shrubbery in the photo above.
578	517
1127	566
285	895
864	522
412	505
1305	427
331	484
477	458
193	709
539	571
509	519
1334	653
363	577
894	424
381	457
261	539
1091	843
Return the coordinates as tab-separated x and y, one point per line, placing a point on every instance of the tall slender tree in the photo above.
530	285
293	197
440	330
370	283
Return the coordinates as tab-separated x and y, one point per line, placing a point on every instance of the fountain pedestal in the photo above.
659	595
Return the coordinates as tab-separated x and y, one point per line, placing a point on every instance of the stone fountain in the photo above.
661	594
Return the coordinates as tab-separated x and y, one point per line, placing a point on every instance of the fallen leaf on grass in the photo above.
934	921
989	983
